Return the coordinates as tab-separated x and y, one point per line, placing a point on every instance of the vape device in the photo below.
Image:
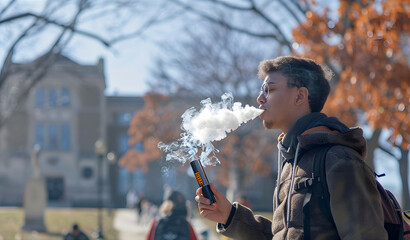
202	180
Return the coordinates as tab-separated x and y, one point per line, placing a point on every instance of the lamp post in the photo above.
100	151
111	160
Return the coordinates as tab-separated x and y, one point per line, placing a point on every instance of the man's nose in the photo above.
261	98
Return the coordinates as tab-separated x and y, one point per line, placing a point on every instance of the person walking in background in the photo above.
172	223
138	206
293	93
131	198
75	234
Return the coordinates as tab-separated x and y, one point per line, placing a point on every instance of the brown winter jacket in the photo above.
354	200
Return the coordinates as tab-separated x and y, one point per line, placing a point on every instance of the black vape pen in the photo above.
202	180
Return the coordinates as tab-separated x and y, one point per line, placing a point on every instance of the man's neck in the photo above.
292	122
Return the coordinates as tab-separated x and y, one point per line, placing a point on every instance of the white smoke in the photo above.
211	123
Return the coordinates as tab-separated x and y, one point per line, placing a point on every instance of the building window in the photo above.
52	137
40	98
52	98
65	97
123	180
123	143
55	188
65	137
87	172
139	181
124	118
39	135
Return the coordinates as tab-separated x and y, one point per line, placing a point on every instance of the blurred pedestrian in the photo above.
131	198
75	234
172	223
139	206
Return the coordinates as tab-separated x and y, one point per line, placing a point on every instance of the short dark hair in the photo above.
75	226
301	72
179	203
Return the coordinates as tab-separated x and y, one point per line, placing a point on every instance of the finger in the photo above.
204	213
199	191
201	199
203	207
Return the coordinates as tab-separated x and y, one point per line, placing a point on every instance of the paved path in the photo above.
125	222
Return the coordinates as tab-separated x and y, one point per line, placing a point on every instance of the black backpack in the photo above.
172	228
394	224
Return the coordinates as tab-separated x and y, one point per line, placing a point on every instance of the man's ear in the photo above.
302	96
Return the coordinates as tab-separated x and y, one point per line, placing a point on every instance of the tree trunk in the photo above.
233	181
372	144
404	170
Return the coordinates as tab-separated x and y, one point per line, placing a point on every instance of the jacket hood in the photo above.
317	129
320	135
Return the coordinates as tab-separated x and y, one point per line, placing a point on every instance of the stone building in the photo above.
65	114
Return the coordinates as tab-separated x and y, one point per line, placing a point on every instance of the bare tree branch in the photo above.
8	60
149	23
259	12
291	11
281	40
209	64
284	41
7	7
231	6
387	151
299	6
64	26
42	65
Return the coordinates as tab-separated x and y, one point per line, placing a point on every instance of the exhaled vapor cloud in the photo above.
211	123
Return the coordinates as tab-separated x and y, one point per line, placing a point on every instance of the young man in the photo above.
293	93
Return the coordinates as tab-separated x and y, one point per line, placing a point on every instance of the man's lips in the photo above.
262	108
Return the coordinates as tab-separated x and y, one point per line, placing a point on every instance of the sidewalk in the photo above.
125	222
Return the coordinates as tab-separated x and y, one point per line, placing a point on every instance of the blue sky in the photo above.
126	62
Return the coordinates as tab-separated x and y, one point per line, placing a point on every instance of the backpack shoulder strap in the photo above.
320	189
317	188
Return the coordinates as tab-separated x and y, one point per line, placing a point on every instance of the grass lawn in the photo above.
57	221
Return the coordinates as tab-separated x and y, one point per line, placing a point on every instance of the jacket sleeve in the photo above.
354	199
247	226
